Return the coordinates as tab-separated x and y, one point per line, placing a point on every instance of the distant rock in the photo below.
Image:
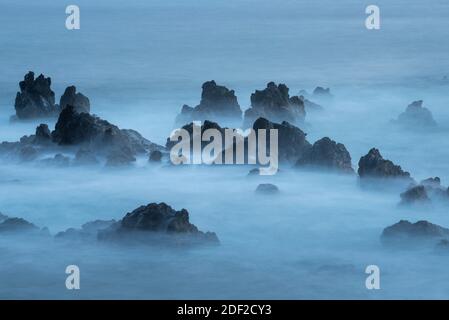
28	153
311	106
275	104
407	233
217	103
373	165
267	188
17	225
35	99
416	117
3	217
154	223
79	101
322	92
88	231
327	153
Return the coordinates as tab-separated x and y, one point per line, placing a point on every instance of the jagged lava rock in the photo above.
217	102
328	154
79	101
274	103
156	220
373	165
35	99
416	194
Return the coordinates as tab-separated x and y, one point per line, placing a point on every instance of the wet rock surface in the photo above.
328	154
275	104
35	99
217	102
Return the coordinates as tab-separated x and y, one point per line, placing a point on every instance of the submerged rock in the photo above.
267	188
416	116
35	99
328	154
407	233
155	222
85	156
274	103
217	102
79	101
58	160
373	165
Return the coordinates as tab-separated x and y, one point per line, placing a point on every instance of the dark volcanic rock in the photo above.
17	225
267	188
329	154
76	99
292	142
373	165
35	99
274	103
217	102
416	194
155	156
73	128
406	232
43	134
155	219
28	153
416	116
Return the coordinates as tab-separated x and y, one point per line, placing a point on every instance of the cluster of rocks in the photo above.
424	192
36	99
320	94
155	224
407	234
217	103
90	135
274	103
416	117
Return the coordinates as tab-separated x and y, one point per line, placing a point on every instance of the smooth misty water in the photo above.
138	64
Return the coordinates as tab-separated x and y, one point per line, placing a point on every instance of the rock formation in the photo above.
275	104
267	188
327	153
35	99
373	165
405	233
76	99
217	103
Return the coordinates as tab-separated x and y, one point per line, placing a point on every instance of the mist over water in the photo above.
139	63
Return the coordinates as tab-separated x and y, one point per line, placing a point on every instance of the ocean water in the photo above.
139	62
